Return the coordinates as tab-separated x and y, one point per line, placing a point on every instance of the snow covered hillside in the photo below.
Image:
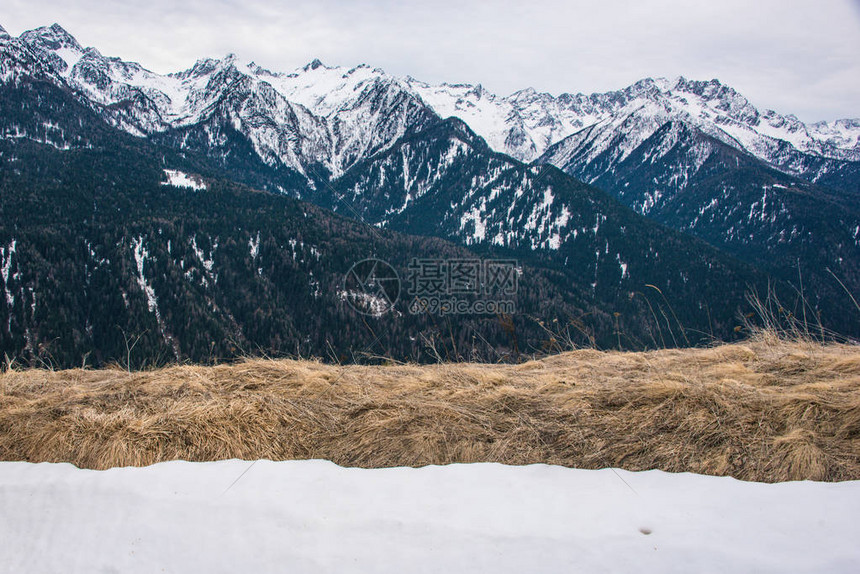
313	516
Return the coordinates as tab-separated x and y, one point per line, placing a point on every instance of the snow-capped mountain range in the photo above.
334	116
331	134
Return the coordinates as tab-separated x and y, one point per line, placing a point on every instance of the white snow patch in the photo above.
622	265
6	254
313	516
652	198
374	305
476	217
140	256
71	56
207	262
178	178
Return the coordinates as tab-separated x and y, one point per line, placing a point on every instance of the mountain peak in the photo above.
58	33
59	30
202	67
648	87
313	65
3	32
479	91
524	93
260	70
51	37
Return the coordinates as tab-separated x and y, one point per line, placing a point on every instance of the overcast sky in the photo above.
800	57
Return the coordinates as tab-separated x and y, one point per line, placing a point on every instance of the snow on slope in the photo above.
320	88
355	113
526	123
313	516
178	178
486	114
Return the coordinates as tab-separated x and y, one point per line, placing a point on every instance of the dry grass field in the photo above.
767	410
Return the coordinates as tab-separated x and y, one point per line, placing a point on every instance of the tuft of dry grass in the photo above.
768	410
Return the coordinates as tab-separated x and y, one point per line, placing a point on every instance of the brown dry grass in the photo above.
767	410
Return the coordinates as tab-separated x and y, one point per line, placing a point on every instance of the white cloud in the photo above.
796	57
